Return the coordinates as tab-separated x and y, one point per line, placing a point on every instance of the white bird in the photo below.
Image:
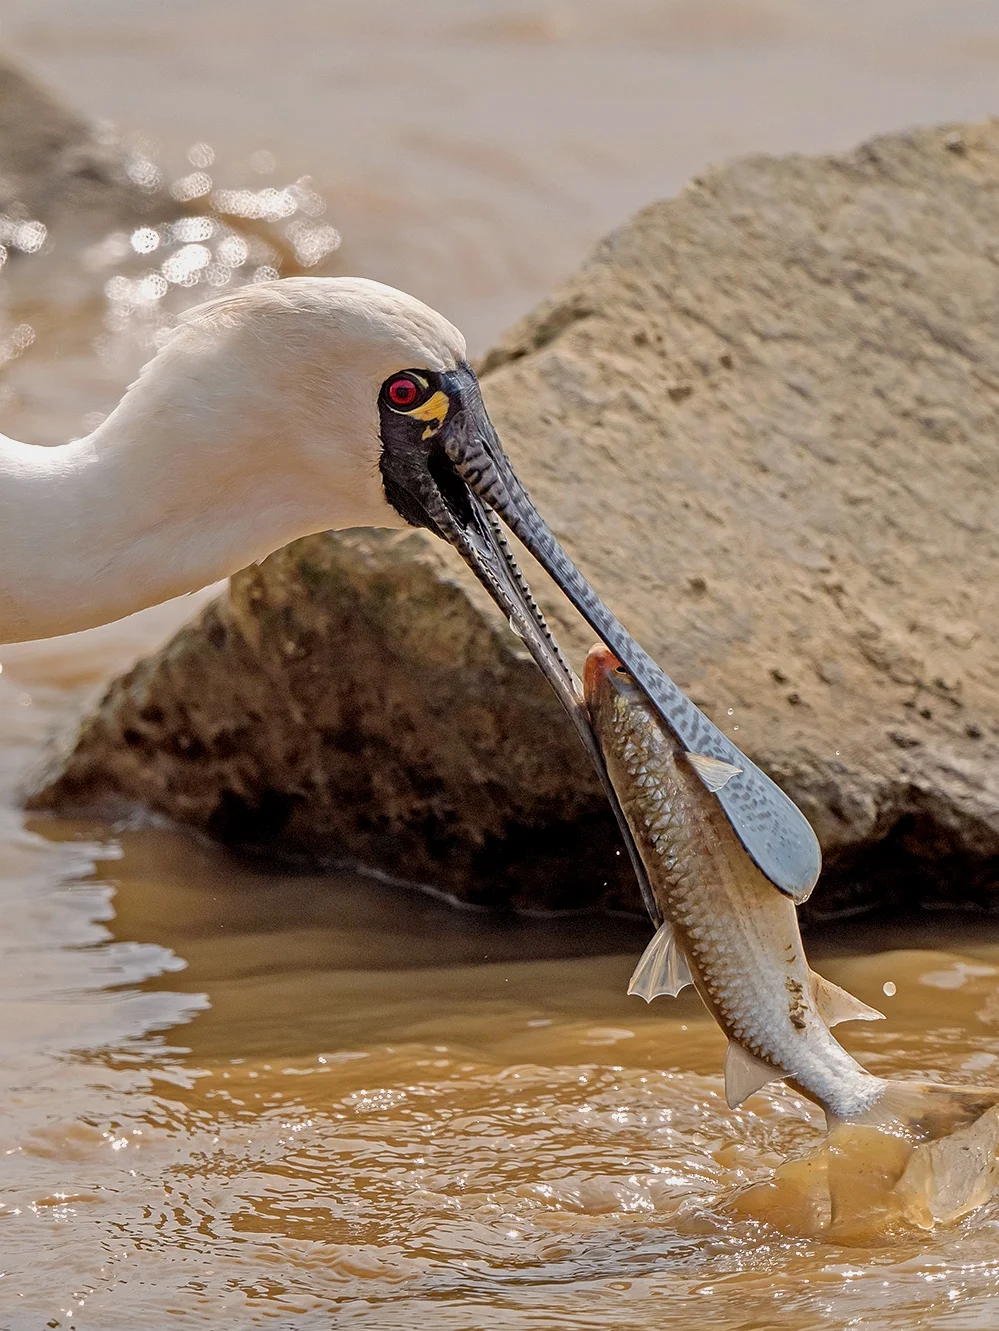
258	422
298	406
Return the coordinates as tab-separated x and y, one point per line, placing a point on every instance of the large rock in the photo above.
765	419
354	698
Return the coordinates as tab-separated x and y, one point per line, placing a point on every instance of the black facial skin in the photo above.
416	473
453	477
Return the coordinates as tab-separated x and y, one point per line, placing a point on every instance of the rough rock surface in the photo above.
765	419
410	730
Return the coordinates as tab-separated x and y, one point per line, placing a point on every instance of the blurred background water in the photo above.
473	150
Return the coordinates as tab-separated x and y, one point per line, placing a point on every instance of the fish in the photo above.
728	933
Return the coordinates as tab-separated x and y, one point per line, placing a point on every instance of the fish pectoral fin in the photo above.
834	1004
663	968
715	773
745	1074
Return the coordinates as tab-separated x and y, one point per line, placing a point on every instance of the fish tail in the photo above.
926	1111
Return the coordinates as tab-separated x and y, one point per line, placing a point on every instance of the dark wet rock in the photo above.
412	732
765	419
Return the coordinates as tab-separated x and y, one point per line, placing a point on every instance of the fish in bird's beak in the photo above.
443	468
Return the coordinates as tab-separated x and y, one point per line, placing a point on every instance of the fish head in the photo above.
610	692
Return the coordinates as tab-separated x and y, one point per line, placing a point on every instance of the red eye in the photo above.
403	392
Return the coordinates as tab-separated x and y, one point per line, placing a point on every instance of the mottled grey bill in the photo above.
772	828
480	541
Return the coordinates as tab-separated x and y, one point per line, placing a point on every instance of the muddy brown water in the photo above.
233	1098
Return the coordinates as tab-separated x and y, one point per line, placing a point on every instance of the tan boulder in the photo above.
764	418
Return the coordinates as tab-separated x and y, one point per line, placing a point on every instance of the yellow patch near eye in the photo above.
434	411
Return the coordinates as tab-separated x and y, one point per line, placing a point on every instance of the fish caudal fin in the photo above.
745	1074
945	1180
834	1004
662	970
926	1111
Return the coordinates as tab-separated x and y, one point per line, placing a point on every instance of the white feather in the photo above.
256	423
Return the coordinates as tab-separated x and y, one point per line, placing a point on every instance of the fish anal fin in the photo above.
663	968
715	773
745	1074
834	1004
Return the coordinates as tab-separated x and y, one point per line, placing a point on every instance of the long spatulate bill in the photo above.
770	825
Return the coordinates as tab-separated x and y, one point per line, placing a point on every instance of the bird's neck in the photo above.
155	503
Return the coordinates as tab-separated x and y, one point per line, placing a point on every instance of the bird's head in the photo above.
441	466
381	420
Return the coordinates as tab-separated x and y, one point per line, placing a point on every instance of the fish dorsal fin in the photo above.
663	968
834	1004
713	772
745	1074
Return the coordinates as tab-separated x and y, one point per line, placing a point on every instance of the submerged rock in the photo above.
764	417
66	187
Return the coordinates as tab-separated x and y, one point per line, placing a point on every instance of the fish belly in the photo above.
747	961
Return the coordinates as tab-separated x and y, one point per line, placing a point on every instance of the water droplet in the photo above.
194	186
188	229
889	989
233	251
183	267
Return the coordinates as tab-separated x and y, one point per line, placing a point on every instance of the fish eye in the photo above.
405	391
620	670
